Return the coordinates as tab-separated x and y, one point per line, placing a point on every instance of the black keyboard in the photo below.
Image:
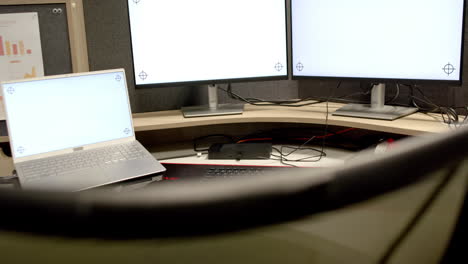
184	172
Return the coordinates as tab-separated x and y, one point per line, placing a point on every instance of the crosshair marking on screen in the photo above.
300	66
20	150
448	68
118	78
136	1
127	131
143	75
279	66
10	90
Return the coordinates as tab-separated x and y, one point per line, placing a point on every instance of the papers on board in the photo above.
20	49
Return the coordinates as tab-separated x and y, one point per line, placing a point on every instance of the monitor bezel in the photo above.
215	81
414	81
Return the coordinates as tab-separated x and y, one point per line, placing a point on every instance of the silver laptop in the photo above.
74	132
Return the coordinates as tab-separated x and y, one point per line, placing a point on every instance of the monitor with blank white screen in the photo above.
379	41
186	42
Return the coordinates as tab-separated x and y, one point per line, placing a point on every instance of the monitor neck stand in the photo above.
213	108
377	109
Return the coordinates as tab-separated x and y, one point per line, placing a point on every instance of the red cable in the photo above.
324	136
254	139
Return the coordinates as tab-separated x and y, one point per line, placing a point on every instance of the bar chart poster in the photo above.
20	48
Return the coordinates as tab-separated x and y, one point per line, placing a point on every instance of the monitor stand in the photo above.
213	109
377	109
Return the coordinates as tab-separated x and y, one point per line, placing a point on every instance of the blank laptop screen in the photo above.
67	112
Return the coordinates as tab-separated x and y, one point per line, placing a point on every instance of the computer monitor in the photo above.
186	42
402	41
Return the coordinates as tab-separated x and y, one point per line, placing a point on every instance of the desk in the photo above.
357	234
414	124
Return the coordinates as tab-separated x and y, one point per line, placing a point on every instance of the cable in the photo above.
326	115
397	94
262	102
301	139
295	102
282	157
448	114
283	152
367	93
321	151
254	139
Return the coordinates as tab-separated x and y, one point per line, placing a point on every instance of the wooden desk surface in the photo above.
314	114
414	124
361	232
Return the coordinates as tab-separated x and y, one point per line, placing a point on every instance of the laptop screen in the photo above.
68	111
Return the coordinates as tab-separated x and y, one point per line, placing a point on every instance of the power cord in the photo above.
397	94
316	158
262	102
296	102
283	156
367	93
449	114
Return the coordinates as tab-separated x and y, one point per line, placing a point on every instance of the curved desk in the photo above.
357	234
414	124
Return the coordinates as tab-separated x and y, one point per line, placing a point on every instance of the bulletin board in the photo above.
62	33
62	30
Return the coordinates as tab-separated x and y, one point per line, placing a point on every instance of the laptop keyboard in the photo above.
81	160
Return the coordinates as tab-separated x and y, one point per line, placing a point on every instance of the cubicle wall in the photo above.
63	37
108	38
62	31
108	35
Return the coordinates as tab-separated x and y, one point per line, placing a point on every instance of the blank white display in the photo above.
56	114
398	39
180	41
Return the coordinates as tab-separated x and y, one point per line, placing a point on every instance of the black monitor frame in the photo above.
215	81
377	108
458	82
213	108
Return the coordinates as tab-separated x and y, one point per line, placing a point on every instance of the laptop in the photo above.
74	132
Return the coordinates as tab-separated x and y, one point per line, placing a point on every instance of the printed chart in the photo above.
20	48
